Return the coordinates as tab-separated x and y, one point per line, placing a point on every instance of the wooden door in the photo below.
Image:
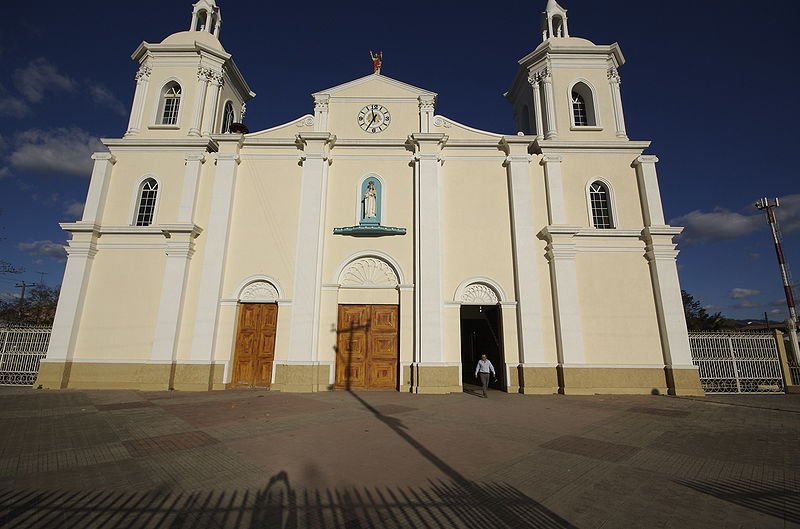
367	346
255	344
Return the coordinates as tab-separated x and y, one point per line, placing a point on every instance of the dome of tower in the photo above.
190	37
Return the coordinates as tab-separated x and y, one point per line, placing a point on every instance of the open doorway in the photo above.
482	333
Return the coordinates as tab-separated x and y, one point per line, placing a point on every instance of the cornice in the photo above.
542	146
167	230
161	144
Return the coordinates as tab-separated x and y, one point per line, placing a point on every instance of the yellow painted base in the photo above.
684	382
538	380
435	380
149	377
305	378
611	381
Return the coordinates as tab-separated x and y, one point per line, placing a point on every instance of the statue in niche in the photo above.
370	202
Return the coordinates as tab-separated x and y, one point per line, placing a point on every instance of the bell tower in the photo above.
568	87
188	85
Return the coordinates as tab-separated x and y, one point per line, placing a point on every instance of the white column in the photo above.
661	256
137	108
616	98
203	75
321	112
310	237
561	254
649	193
194	21
556	209
81	251
549	105
537	105
428	280
180	248
216	80
98	187
214	253
217	26
191	178
427	105
526	251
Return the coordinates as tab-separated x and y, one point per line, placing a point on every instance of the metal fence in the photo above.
792	356
21	350
736	362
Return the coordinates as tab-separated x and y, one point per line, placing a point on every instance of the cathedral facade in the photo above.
374	243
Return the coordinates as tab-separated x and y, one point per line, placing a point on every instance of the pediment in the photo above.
375	85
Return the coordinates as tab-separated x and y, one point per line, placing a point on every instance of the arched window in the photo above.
228	118
583	111
600	202
170	103
202	21
146	204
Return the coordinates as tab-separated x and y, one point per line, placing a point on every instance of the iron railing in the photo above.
737	362
21	350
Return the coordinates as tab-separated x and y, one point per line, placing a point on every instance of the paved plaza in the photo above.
257	459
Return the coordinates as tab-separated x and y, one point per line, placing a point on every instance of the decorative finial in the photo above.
244	111
377	60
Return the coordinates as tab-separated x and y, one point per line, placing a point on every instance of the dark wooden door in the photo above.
255	344
367	346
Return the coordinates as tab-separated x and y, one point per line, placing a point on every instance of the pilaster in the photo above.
314	154
321	105
191	178
216	81
199	102
616	98
561	255
98	187
546	77
137	108
526	251
214	253
533	79
556	208
427	105
649	193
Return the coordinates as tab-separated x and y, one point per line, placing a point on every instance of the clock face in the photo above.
374	118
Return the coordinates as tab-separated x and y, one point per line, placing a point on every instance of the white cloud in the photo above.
723	224
74	209
44	249
742	293
63	150
105	97
4	172
11	105
41	76
747	304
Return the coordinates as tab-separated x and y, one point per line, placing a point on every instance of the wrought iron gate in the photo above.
737	363
21	349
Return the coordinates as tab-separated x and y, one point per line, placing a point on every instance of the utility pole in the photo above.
41	277
765	205
23	285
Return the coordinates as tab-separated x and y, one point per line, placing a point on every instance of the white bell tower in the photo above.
206	16
554	21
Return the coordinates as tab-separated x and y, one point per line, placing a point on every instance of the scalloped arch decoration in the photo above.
370	272
259	291
479	294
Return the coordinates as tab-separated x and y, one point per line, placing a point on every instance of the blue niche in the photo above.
369	213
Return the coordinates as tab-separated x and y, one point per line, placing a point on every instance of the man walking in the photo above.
484	368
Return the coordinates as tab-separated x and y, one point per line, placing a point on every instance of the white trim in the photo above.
611	203
595	111
445	122
237	292
222	121
156	122
494	285
134	210
252	135
337	276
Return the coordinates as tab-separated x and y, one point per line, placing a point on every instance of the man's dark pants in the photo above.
485	382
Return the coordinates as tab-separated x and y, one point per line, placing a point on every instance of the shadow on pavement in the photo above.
781	500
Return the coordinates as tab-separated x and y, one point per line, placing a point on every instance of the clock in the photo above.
374	118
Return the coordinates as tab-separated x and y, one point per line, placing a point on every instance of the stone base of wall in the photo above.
141	376
302	378
611	380
435	380
538	380
684	381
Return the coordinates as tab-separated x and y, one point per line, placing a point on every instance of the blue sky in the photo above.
710	87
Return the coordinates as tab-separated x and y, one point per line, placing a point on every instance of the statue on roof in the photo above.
377	60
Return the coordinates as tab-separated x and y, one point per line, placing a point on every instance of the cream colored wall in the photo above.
580	169
128	173
122	303
618	309
343	114
597	77
165	70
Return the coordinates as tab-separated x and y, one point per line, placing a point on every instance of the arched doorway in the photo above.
481	321
254	350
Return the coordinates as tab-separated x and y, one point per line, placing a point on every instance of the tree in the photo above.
698	318
38	307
